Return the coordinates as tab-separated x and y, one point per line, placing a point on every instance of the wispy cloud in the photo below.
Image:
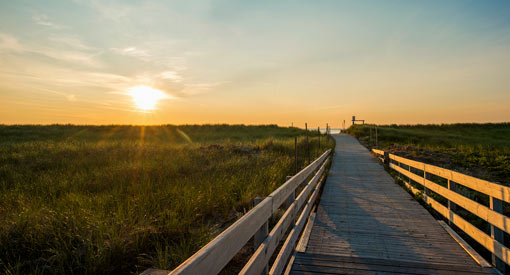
9	43
70	41
199	88
76	52
111	10
171	75
131	51
43	20
69	97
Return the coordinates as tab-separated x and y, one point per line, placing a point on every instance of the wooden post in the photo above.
497	234
291	198
262	233
376	138
319	131
307	143
295	155
425	189
399	174
386	160
451	205
370	140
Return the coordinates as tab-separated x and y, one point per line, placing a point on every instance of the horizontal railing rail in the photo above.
214	256
493	214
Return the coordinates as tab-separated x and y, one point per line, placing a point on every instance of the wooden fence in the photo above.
421	174
214	256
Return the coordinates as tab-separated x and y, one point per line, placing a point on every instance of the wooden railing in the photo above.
214	256
493	214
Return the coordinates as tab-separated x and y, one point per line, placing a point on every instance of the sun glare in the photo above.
146	98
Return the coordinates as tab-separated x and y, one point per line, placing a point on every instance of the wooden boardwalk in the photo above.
367	224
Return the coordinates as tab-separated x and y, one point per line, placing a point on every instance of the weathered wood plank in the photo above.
288	247
479	259
303	196
493	217
363	213
304	262
378	152
262	255
412	163
492	189
321	266
213	257
153	271
281	194
492	245
301	247
360	260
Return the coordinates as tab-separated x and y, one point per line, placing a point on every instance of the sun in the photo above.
145	97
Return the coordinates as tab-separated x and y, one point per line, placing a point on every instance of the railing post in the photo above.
451	205
497	234
376	138
262	233
425	189
291	198
295	156
370	140
319	131
399	174
307	143
386	160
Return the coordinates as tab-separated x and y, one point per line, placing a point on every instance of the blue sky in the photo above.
255	61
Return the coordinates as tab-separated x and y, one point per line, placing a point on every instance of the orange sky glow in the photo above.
254	62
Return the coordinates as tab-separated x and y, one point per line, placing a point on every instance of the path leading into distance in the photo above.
365	223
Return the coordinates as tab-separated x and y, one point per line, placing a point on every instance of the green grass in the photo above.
119	199
481	150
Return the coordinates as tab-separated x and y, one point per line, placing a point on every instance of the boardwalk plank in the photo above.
366	224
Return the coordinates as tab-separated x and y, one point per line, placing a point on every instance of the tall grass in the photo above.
119	199
482	150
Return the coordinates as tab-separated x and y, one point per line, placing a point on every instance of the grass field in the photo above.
119	199
481	150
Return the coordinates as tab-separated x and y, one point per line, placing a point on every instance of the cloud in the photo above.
71	97
113	11
199	88
171	75
77	52
43	20
131	51
70	41
9	43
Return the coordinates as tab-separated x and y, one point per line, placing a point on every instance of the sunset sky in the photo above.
254	62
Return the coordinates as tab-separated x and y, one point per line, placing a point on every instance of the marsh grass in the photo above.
481	150
119	199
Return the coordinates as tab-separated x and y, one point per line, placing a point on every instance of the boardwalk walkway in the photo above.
367	224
